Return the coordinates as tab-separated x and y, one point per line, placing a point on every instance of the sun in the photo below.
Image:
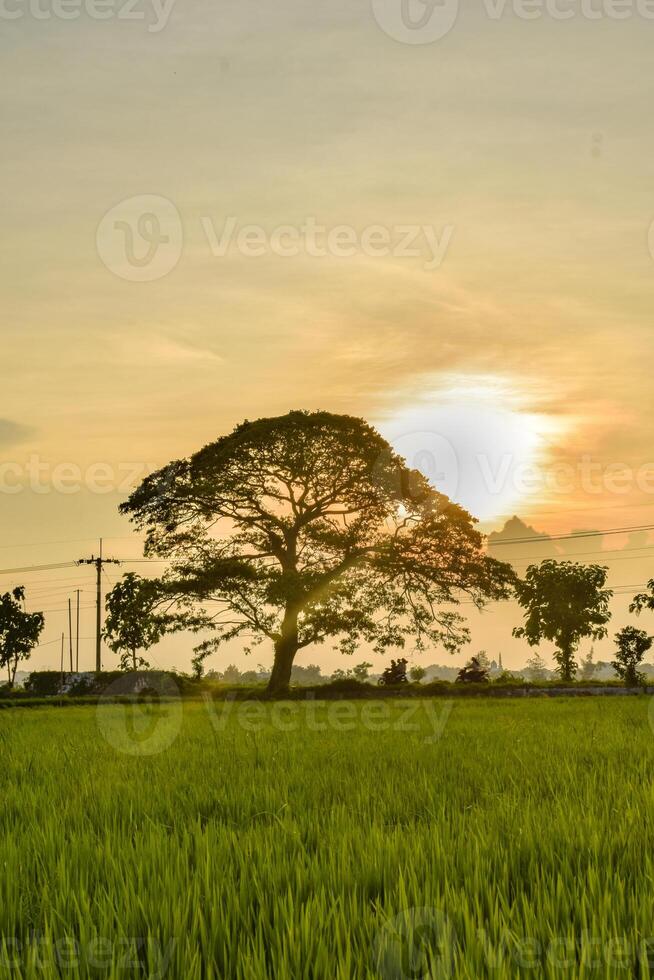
475	439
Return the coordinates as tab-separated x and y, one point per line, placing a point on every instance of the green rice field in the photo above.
345	840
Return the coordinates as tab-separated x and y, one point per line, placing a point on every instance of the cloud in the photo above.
13	432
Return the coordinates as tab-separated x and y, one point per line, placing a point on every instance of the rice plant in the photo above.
346	840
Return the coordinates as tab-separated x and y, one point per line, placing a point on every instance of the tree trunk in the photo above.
286	646
564	658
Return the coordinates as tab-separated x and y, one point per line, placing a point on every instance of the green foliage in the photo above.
19	632
43	683
133	622
536	668
644	600
564	602
227	877
588	666
359	673
632	645
417	673
309	674
308	527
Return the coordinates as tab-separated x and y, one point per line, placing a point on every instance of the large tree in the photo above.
564	602
306	527
19	631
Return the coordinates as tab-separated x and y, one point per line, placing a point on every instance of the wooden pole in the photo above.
70	634
98	614
77	638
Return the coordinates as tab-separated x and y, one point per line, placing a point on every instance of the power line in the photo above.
38	568
545	539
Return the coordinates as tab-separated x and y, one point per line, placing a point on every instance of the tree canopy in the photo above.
564	602
19	631
133	622
306	527
644	600
632	646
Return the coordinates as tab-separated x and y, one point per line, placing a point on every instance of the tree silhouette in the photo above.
133	622
536	668
19	631
632	646
644	600
306	527
564	602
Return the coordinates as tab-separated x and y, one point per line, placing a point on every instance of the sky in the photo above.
213	212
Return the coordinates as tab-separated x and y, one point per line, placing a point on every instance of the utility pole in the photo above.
70	634
99	564
77	638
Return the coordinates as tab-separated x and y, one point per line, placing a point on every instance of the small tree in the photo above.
19	631
632	646
536	668
311	674
417	673
395	674
588	666
564	602
132	620
361	672
474	672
